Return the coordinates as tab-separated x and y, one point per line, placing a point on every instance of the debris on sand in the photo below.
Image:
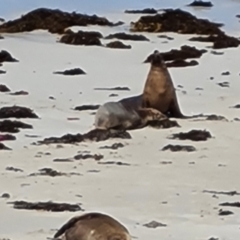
179	21
19	93
224	212
2	72
13	126
126	36
118	44
14	169
179	148
114	163
7	137
52	173
181	63
93	135
86	107
230	193
74	71
114	89
233	204
53	20
194	135
144	11
115	146
183	53
82	38
197	3
46	206
166	123
17	112
154	224
6	56
3	147
4	88
96	157
214	117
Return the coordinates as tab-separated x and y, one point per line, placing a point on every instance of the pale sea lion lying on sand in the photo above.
159	92
93	226
119	116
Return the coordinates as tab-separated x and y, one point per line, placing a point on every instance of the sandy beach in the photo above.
151	184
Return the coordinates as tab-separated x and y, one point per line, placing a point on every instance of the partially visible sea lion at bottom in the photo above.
159	92
116	115
93	226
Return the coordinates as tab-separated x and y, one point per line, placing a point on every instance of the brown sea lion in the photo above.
159	92
93	226
116	115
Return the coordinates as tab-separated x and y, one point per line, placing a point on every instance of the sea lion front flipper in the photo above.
174	110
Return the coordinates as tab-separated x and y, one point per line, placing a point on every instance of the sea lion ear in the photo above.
156	52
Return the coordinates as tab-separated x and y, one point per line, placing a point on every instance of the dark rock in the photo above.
223	84
93	135
2	72
14	169
115	146
194	135
224	212
184	53
118	44
179	148
5	195
167	123
114	89
51	173
3	147
225	73
114	163
230	193
175	20
165	37
19	93
96	157
82	38
144	11
227	204
215	117
7	137
46	206
125	36
197	3
154	224
181	63
74	71
6	56
13	126
17	112
53	20
86	107
219	41
4	88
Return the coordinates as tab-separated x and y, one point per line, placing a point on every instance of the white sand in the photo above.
148	189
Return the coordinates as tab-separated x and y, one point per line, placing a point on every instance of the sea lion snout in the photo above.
157	58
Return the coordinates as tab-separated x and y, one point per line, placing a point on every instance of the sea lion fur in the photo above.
93	226
159	92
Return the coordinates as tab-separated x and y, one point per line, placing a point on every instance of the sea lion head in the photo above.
157	58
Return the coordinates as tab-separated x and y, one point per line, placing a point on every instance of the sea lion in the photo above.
119	116
159	92
93	226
